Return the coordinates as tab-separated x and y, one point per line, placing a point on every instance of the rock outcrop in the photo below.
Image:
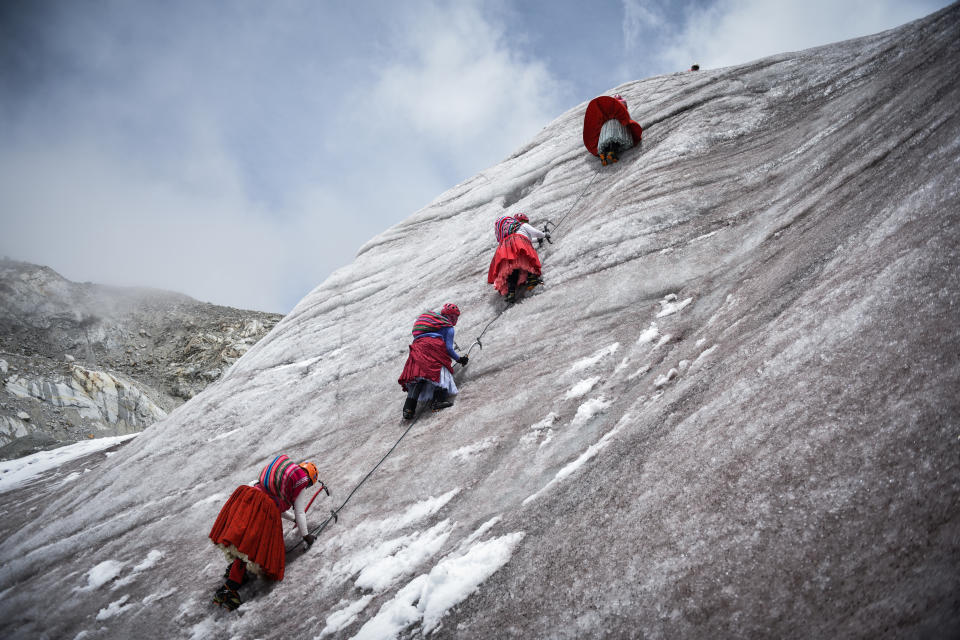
80	360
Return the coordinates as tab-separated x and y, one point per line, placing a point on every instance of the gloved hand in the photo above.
464	359
309	539
547	236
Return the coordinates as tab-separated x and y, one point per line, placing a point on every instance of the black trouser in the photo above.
512	280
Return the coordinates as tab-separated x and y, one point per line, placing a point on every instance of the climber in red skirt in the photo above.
248	529
608	130
516	262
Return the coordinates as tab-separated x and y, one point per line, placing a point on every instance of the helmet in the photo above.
619	97
452	312
522	217
311	470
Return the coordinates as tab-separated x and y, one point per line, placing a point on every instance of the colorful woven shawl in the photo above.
429	322
282	478
505	225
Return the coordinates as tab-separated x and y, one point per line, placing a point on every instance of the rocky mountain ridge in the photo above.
81	360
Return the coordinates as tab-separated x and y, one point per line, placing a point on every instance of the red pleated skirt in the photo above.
515	252
427	356
249	528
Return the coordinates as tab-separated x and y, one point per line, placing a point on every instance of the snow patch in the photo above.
114	608
14	473
669	307
384	571
591	451
465	452
429	597
589	409
153	597
344	617
706	353
416	512
665	378
223	435
589	361
542	429
204	630
648	334
102	574
453	580
582	388
150	561
481	530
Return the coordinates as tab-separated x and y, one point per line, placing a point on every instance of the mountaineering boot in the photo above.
440	400
512	281
410	408
603	158
227	598
533	280
612	157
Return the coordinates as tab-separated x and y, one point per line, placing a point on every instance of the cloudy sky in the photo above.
241	151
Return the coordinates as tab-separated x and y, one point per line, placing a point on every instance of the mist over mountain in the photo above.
732	410
82	360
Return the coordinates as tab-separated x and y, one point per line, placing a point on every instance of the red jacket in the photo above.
599	111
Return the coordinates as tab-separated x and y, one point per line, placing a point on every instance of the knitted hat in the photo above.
451	311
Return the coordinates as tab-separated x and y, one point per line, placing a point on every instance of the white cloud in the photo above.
461	90
640	16
731	32
246	154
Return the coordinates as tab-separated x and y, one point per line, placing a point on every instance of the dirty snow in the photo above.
14	473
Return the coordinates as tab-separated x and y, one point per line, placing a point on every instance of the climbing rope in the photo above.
334	513
546	225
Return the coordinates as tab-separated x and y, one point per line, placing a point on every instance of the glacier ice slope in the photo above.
732	410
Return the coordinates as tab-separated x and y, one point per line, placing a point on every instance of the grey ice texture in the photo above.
770	449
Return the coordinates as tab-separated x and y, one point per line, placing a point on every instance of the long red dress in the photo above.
249	527
599	111
427	356
515	252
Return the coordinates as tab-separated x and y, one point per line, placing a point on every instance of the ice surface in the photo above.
798	217
14	473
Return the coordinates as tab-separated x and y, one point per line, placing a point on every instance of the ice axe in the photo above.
546	230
